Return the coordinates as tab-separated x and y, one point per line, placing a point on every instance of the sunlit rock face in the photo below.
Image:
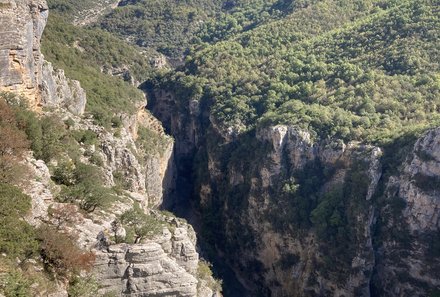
408	262
21	25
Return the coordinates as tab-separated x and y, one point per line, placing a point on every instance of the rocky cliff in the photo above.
135	158
22	24
408	249
300	216
23	68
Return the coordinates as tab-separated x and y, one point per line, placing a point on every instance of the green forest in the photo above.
354	70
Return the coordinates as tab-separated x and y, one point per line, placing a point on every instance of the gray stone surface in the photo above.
143	270
21	25
61	92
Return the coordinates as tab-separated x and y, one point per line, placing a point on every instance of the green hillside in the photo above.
86	54
356	70
172	26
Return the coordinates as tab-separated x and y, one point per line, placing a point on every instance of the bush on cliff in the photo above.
60	253
139	225
82	184
17	237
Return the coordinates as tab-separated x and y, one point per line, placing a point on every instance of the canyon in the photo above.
278	209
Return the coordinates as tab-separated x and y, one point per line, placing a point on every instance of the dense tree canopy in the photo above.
365	70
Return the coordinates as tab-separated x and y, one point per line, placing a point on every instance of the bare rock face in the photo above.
147	174
61	92
419	184
21	26
39	189
409	255
150	268
295	265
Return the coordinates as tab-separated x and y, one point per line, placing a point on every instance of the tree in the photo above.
83	185
140	223
13	143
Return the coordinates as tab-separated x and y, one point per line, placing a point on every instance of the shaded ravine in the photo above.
181	200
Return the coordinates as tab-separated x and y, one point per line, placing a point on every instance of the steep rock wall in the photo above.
409	227
23	68
61	92
296	216
21	26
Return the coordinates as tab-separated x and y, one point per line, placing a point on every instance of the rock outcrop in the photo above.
21	26
23	68
166	266
147	174
61	92
409	252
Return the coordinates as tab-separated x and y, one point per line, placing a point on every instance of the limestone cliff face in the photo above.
297	216
291	153
145	174
408	252
296	260
21	26
165	266
61	92
23	68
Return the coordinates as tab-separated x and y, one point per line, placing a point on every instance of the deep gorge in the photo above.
230	181
288	148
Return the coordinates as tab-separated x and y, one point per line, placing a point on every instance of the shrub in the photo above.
13	143
63	215
204	272
13	202
14	284
83	287
120	181
60	253
88	194
48	135
64	174
86	188
54	133
116	122
150	141
69	123
87	137
17	237
96	159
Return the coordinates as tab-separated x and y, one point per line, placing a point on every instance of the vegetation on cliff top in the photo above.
91	56
355	70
